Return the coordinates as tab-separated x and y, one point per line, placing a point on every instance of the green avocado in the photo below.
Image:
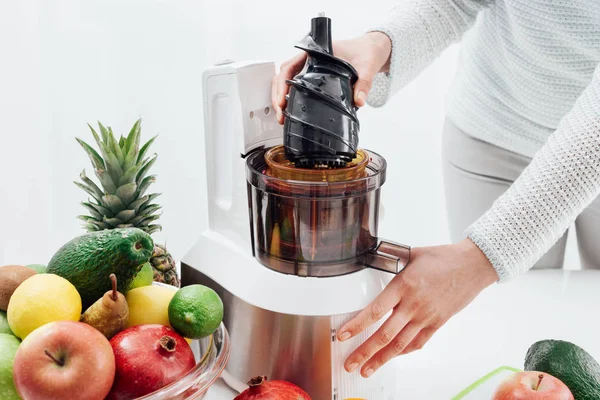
569	363
88	260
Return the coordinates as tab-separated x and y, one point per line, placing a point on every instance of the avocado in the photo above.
569	363
87	260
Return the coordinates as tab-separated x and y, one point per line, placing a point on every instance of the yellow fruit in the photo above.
41	299
149	305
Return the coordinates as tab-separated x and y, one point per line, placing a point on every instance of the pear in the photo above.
108	314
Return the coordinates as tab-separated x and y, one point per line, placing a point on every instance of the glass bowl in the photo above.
212	354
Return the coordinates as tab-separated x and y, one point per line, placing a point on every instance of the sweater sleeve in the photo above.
419	31
560	182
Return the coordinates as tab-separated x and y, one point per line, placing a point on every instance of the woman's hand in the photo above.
438	283
368	54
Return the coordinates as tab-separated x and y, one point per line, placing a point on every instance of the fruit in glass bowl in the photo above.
211	353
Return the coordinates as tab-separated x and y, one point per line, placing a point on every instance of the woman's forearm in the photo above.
561	181
419	30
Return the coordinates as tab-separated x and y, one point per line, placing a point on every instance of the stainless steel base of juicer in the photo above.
301	349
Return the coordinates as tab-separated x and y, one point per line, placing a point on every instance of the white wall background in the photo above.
64	63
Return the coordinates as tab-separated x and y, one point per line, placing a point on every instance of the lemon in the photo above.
41	299
196	311
149	305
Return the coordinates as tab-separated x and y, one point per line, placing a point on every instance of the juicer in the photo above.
292	242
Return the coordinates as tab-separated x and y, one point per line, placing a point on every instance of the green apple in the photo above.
4	328
8	349
144	277
39	268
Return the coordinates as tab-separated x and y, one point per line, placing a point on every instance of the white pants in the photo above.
476	173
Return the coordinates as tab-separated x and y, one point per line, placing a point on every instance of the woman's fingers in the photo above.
361	90
420	340
384	335
279	87
274	97
392	350
385	302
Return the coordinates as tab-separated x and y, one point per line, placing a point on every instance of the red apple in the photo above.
532	385
64	360
148	358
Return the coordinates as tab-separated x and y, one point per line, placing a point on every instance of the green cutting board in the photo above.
484	387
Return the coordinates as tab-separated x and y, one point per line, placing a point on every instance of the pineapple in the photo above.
122	169
164	266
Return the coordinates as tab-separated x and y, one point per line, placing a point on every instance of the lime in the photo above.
41	299
8	348
39	268
144	277
195	311
4	327
149	305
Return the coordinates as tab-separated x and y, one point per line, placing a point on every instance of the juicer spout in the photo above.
389	257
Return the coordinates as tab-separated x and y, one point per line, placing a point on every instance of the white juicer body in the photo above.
282	326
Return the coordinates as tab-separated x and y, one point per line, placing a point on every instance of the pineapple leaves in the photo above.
146	166
122	168
114	146
95	214
133	138
130	161
125	215
96	137
150	229
145	184
113	167
145	148
89	190
104	132
125	226
146	221
106	181
149	209
87	218
91	185
130	174
126	192
113	203
142	216
138	203
91	222
112	222
135	221
103	211
97	161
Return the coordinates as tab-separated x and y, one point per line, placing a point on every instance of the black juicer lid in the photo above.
321	127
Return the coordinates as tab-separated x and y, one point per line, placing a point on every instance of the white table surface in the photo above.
495	330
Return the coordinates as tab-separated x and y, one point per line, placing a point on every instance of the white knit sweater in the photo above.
528	82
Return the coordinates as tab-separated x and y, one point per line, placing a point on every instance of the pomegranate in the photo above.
260	389
148	358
